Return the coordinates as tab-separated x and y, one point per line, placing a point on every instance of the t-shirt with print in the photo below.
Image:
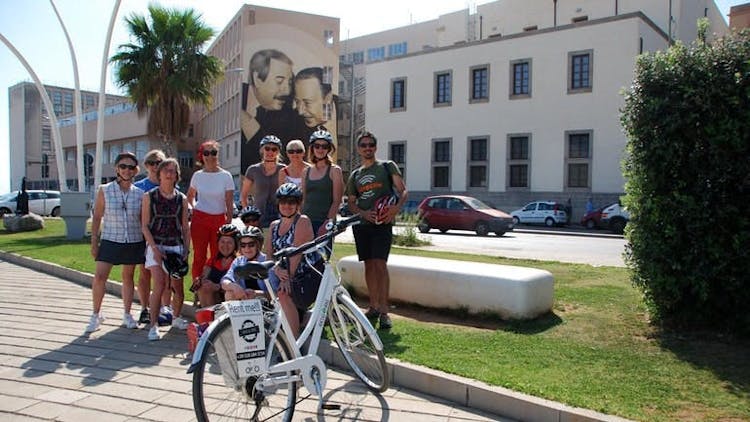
368	184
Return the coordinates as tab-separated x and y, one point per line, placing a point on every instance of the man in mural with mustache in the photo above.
268	106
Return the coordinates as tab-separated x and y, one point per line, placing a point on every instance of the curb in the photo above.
462	391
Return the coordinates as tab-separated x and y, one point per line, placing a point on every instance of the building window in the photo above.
520	83
578	160
328	37
580	71
519	146
441	161
443	88
68	103
90	101
479	83
57	103
398	94
358	57
46	138
376	53
398	49
478	164
397	154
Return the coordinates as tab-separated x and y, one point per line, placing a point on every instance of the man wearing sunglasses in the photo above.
376	191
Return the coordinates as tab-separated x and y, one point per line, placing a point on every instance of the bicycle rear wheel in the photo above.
220	394
357	344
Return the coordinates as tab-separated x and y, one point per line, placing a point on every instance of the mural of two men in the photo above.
278	102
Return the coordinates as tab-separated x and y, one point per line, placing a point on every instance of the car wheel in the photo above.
590	224
423	226
482	228
4	211
516	221
617	225
443	230
499	234
55	212
549	222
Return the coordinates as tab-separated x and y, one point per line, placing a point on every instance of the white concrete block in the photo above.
510	291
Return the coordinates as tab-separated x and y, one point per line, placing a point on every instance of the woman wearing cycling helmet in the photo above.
298	284
250	216
207	285
262	179
236	288
323	183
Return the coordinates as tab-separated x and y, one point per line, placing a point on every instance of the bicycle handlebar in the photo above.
319	242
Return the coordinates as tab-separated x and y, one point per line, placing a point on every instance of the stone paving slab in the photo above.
51	370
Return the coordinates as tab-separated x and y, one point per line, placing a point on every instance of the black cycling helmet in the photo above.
270	139
252	232
174	265
289	190
251	212
321	135
228	230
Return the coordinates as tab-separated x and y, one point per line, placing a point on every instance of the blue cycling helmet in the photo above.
251	212
321	135
289	190
270	139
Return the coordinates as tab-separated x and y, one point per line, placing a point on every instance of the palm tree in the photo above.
164	70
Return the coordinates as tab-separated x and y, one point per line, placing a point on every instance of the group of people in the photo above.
146	224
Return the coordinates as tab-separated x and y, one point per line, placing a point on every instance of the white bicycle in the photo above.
223	392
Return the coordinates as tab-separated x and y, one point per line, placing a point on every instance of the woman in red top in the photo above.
207	285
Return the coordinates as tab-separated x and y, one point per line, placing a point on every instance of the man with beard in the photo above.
376	191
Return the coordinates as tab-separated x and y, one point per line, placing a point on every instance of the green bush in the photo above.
687	118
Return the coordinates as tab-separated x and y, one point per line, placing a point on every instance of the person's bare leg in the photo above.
128	287
178	296
144	286
371	282
101	273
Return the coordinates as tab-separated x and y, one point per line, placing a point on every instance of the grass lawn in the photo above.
596	350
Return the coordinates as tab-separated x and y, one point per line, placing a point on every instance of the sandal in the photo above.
372	314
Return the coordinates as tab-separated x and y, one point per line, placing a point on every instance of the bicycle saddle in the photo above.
254	269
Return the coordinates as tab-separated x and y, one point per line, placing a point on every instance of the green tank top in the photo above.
318	196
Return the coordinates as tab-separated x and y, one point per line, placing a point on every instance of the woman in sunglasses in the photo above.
322	184
293	172
250	244
262	179
116	237
152	160
211	195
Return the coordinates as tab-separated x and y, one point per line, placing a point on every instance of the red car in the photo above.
453	212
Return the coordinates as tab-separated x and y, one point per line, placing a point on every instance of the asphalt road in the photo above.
599	248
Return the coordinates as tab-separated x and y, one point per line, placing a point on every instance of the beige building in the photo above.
512	101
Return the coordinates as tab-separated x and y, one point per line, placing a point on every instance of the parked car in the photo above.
549	213
41	202
615	217
452	212
593	219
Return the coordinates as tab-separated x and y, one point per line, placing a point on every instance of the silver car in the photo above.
41	202
549	213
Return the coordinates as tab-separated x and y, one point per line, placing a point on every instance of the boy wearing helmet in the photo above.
207	285
262	179
250	244
370	190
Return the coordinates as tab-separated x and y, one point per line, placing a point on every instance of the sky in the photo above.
32	27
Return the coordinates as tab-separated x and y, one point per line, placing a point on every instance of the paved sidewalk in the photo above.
51	370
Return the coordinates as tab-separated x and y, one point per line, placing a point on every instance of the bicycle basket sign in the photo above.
246	317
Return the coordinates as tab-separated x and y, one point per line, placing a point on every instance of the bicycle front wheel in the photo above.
220	394
357	344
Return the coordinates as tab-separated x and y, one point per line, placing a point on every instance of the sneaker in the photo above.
128	321
144	318
180	323
372	314
94	323
153	334
385	322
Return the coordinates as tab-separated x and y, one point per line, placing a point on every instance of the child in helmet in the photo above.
250	244
250	216
207	285
164	223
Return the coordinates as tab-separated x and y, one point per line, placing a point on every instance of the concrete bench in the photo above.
511	292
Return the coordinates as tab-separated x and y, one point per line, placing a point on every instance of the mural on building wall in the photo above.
291	86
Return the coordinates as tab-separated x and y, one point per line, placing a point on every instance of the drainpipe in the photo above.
669	30
480	27
554	13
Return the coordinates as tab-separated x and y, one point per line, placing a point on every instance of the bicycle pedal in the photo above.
326	406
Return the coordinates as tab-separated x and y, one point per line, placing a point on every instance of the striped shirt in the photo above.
122	214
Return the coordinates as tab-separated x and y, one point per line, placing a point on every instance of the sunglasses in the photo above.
212	153
270	149
367	145
126	166
248	244
320	146
295	151
153	163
